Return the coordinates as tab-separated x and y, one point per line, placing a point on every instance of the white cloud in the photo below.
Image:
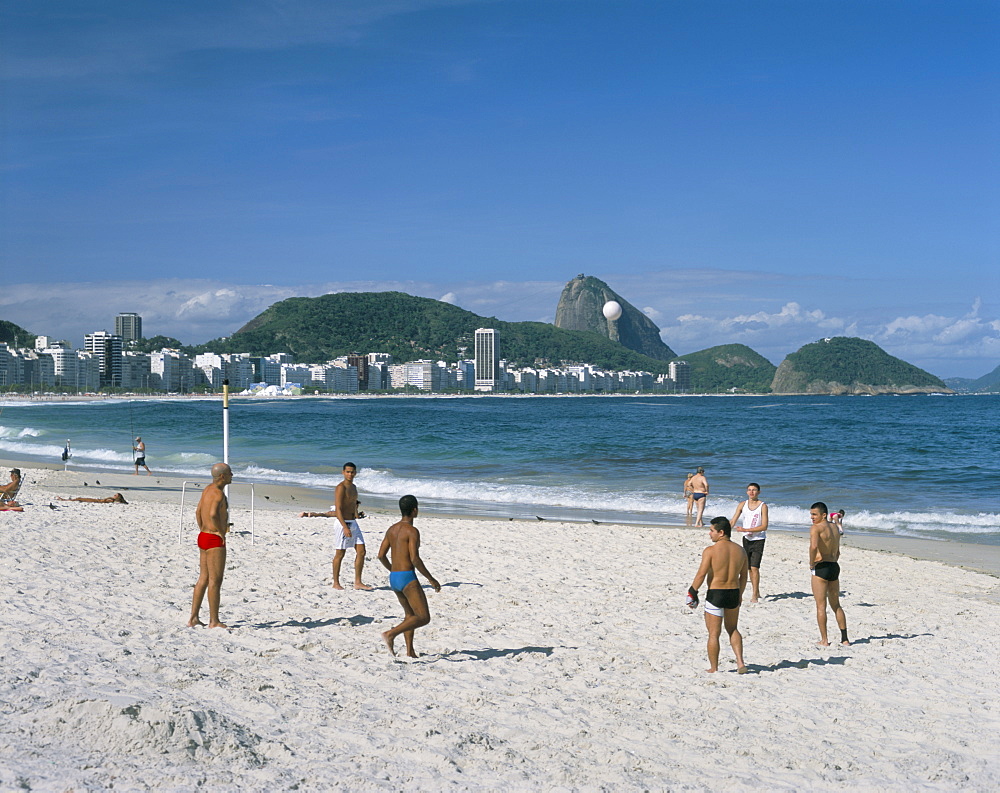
448	297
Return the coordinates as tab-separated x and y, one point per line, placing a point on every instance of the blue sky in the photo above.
762	172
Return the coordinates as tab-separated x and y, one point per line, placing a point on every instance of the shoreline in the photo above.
166	489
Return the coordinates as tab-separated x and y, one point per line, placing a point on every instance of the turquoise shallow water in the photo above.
919	466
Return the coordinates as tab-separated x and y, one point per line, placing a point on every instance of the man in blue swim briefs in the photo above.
699	488
824	562
724	564
402	541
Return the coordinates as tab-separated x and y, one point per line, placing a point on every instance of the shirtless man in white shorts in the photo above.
345	501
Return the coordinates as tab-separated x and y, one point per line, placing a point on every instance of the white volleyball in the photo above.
612	310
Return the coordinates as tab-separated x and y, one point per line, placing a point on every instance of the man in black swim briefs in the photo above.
824	556
724	565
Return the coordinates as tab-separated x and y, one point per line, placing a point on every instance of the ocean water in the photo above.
921	466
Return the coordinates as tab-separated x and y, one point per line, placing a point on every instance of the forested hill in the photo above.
849	365
9	333
409	328
728	367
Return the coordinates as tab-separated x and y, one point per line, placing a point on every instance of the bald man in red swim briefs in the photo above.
213	521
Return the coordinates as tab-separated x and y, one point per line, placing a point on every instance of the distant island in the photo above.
847	365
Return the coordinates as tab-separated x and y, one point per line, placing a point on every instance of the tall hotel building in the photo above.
487	369
107	349
128	325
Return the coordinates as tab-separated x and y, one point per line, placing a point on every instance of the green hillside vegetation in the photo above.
849	361
316	329
729	366
9	332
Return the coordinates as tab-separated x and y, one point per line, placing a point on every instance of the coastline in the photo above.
274	497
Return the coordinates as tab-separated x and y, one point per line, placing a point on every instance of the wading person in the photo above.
140	456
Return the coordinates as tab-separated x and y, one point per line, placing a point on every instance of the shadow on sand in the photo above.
803	664
870	639
788	595
354	621
486	655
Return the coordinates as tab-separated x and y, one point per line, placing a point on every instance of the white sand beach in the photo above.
559	657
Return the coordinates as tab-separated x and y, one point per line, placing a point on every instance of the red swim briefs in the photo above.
208	540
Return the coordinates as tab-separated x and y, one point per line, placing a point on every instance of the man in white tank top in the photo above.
754	528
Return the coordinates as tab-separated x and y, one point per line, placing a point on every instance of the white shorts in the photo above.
357	538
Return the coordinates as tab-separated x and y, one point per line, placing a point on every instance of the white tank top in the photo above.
752	518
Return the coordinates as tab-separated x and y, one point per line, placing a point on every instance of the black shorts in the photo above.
828	571
755	550
140	461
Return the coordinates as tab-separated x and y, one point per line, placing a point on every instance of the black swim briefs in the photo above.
755	550
724	598
828	571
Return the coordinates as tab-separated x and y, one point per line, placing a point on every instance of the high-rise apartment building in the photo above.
487	368
107	349
680	373
128	325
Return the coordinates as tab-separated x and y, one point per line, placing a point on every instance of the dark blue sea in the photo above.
921	466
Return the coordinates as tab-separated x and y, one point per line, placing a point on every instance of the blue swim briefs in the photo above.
400	579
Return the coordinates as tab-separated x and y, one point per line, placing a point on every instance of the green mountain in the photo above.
408	327
729	366
15	335
846	365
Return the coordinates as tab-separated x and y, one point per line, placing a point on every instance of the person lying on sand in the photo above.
331	514
724	564
402	541
824	563
117	498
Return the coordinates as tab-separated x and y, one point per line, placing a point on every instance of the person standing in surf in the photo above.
139	450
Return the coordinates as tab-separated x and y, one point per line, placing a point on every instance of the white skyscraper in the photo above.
486	359
107	348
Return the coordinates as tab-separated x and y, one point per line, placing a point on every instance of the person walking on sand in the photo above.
402	541
824	562
689	498
724	565
754	529
140	456
345	503
699	488
212	515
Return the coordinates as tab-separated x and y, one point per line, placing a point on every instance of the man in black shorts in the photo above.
139	450
824	562
754	529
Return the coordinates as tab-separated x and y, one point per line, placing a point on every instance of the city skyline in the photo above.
767	173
